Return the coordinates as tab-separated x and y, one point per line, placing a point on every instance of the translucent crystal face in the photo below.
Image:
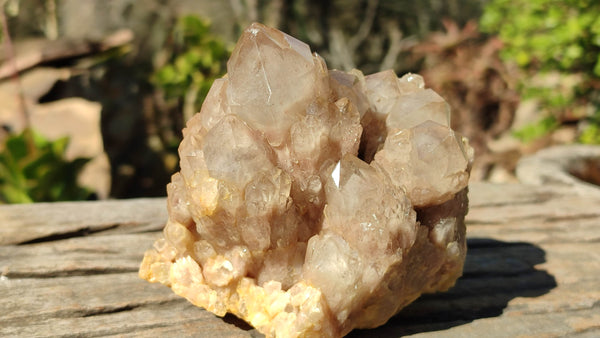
311	202
259	88
428	160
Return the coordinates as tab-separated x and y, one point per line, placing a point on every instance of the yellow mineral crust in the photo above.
300	311
311	202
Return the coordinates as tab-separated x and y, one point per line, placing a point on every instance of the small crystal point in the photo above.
311	202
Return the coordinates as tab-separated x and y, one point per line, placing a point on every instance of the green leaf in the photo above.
165	75
59	146
534	131
13	195
199	58
34	169
591	135
17	147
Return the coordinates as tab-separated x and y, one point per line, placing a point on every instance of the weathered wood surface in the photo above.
533	269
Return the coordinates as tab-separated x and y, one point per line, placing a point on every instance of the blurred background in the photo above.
94	93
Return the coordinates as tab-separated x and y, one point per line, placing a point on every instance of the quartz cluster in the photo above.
312	201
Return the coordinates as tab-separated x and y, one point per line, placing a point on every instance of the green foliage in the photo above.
591	134
536	130
557	39
198	58
33	169
552	34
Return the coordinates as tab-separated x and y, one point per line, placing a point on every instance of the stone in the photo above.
576	166
311	202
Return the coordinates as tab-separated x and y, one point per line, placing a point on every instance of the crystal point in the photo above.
311	201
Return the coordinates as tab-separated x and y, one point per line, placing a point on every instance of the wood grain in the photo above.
532	269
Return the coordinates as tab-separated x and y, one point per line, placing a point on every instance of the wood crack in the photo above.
66	273
572	217
81	232
109	310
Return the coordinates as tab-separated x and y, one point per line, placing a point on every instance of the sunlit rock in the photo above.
312	202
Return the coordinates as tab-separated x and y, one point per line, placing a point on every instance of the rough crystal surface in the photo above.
312	202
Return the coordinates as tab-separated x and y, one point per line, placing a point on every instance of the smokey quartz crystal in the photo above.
312	201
